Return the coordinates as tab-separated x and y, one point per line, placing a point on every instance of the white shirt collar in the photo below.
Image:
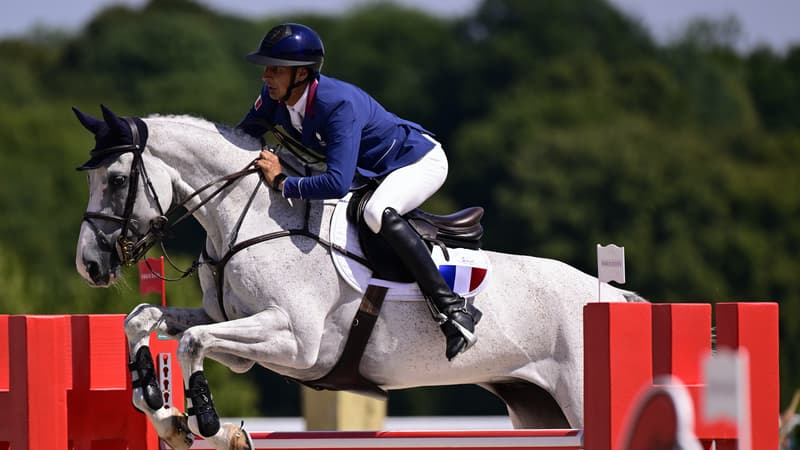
298	111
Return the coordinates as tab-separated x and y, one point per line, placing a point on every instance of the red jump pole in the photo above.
6	400
34	378
100	410
617	349
754	327
681	339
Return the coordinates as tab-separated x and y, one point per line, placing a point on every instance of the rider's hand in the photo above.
270	166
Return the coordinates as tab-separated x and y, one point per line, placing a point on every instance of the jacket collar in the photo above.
312	93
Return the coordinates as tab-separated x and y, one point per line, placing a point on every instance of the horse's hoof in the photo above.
180	438
239	439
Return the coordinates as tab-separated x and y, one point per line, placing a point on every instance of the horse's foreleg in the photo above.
266	336
170	424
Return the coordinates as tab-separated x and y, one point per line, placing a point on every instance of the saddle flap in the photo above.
465	271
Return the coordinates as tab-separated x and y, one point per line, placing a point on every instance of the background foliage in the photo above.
563	118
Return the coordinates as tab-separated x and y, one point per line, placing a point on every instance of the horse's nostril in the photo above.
94	270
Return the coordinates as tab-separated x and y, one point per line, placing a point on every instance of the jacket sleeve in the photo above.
254	122
343	137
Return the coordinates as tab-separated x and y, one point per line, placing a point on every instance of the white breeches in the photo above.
407	187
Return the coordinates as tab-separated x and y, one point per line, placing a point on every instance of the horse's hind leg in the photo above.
529	406
170	424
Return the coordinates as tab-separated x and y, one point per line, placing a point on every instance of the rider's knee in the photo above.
373	216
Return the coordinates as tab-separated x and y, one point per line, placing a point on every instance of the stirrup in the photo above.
440	318
469	336
459	339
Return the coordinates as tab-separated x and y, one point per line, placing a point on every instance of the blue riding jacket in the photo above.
355	133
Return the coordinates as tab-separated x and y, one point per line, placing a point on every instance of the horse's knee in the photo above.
141	321
190	349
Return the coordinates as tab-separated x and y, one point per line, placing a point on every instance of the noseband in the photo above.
130	245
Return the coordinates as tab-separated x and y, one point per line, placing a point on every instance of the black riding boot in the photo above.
449	309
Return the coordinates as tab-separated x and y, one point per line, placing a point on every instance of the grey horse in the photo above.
284	306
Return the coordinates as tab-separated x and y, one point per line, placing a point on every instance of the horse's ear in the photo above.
88	122
114	122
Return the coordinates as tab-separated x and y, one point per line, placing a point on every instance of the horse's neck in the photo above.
197	152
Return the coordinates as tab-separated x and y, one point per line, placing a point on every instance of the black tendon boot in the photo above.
450	309
145	370
202	405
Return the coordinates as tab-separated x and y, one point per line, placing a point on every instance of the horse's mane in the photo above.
234	135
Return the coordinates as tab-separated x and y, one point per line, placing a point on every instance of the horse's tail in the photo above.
633	297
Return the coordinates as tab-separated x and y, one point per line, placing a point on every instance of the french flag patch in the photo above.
463	280
258	102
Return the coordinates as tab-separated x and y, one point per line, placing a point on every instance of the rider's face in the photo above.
278	79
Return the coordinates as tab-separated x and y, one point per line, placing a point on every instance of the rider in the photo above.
359	138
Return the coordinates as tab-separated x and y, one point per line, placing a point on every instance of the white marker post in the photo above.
610	265
726	397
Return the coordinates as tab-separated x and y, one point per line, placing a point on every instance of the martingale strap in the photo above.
345	374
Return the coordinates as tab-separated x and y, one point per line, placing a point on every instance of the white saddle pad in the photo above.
466	271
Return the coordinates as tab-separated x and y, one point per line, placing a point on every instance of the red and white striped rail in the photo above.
417	440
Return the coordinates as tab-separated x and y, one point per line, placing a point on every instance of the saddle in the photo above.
461	229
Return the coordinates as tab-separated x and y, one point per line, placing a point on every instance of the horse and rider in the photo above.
275	290
361	140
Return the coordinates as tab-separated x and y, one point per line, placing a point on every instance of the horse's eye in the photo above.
117	180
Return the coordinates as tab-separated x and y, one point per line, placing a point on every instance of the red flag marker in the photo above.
150	270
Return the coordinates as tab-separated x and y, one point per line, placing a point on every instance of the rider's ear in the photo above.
302	76
114	122
90	123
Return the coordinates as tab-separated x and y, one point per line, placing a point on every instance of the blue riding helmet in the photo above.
290	44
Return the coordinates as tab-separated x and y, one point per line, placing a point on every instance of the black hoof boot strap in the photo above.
202	405
142	364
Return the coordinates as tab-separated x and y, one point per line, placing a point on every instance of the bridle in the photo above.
131	245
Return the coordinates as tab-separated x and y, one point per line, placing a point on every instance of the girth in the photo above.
345	375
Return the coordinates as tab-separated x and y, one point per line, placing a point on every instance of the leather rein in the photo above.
131	246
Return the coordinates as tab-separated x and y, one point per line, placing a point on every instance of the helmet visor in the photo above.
257	58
